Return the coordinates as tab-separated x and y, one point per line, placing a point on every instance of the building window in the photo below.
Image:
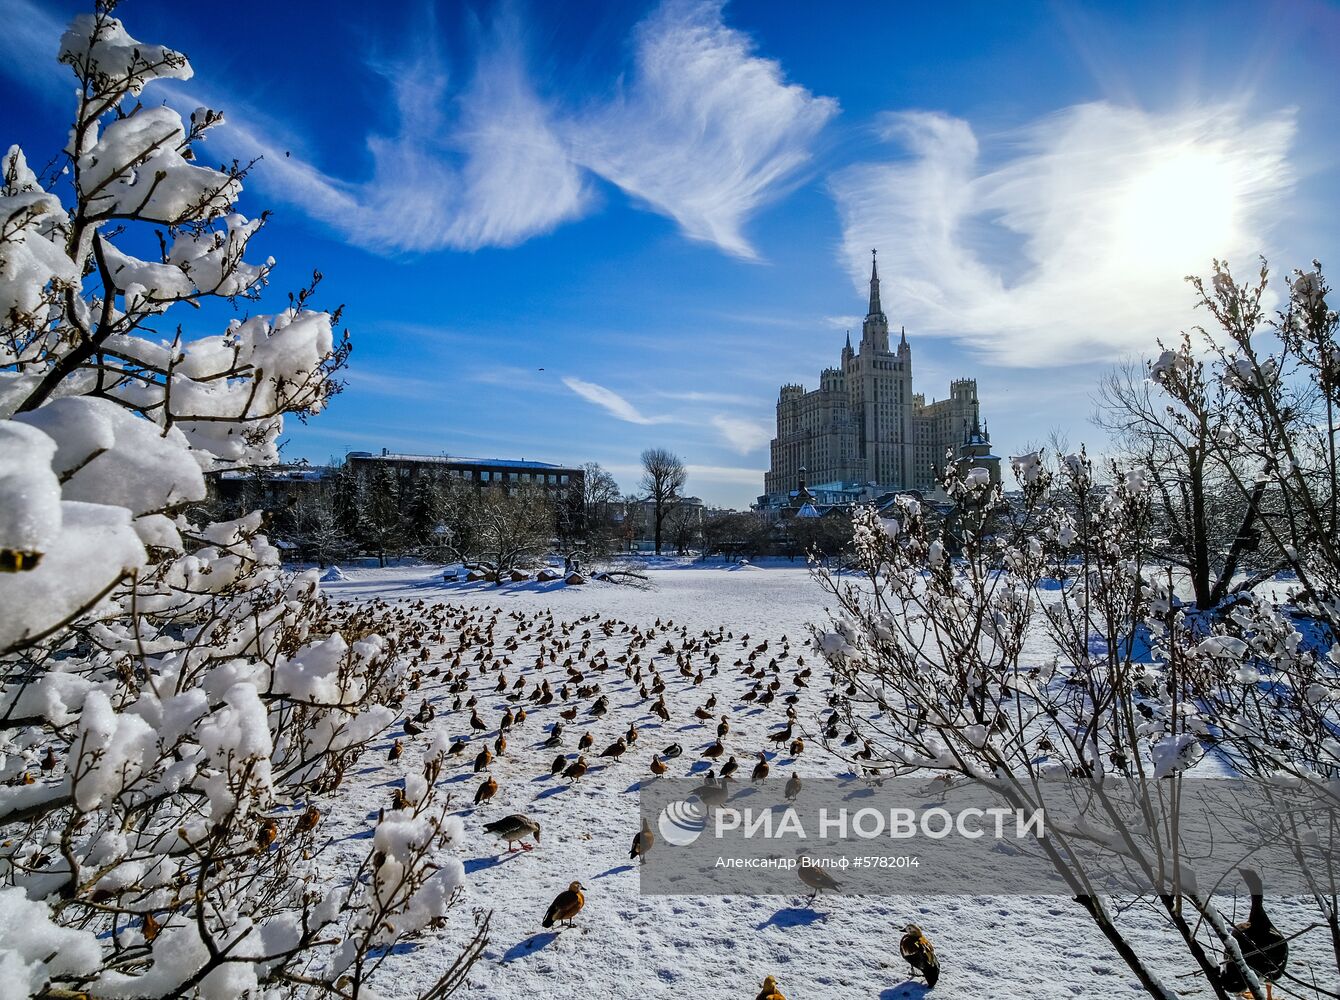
563	480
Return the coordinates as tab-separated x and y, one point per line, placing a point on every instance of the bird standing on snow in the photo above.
487	790
814	877
642	842
760	769
919	954
566	905
515	828
1264	948
770	990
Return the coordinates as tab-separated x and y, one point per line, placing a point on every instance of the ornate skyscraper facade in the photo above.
864	426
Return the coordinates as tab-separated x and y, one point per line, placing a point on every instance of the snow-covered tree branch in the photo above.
174	709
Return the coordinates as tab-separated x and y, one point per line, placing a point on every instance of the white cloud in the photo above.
29	44
741	434
843	322
1075	247
705	131
610	401
698	396
726	476
494	174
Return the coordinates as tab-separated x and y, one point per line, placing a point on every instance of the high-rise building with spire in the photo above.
864	427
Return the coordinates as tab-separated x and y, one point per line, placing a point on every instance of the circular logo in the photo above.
681	823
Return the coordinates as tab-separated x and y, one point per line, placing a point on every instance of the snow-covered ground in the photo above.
629	945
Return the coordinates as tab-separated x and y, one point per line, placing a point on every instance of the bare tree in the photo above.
1203	524
663	479
600	498
514	527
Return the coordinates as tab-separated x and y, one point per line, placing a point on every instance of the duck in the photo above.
559	763
576	769
760	772
566	905
769	990
920	954
266	835
792	787
1264	948
672	751
712	794
814	877
642	842
513	829
309	818
658	766
616	749
487	790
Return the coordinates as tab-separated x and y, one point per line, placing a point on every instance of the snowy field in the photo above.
628	945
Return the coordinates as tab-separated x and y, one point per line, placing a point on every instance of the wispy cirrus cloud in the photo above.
485	167
1074	247
741	434
705	131
611	402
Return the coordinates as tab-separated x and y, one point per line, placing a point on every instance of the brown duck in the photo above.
920	954
566	905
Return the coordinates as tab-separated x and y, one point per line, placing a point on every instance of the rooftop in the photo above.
511	463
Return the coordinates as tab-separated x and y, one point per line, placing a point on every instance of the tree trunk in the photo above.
1200	543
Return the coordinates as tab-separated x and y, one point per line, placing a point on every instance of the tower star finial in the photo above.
874	285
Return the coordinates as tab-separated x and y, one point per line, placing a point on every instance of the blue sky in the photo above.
570	231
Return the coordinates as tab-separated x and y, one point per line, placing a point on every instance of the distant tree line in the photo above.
389	513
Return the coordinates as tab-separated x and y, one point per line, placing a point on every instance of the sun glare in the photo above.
1179	212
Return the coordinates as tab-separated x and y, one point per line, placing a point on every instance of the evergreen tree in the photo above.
382	524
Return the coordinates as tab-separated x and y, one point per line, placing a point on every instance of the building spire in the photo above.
874	285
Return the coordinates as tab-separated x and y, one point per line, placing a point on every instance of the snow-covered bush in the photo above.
175	712
1040	642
